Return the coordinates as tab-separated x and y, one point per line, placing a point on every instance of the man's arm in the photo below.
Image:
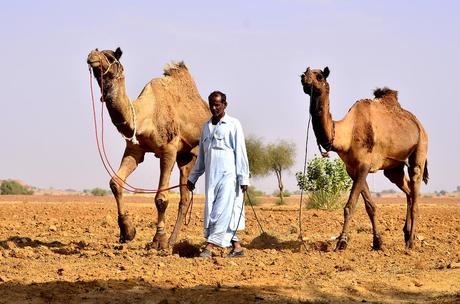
199	167
241	157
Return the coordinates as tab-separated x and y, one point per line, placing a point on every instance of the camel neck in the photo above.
117	102
323	125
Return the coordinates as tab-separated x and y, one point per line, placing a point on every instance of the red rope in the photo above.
104	159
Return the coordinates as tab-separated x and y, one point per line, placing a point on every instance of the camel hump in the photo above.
387	95
174	68
383	92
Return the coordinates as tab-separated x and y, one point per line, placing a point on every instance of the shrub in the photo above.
324	200
255	195
285	193
99	192
326	182
280	201
13	187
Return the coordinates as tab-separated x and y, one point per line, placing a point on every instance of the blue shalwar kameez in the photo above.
223	159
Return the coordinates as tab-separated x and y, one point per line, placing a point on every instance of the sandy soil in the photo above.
64	249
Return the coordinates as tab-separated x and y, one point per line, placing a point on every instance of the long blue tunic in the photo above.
223	159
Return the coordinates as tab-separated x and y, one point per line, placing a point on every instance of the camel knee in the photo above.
161	204
115	187
416	174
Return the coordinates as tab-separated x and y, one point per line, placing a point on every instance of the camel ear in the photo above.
326	72
118	53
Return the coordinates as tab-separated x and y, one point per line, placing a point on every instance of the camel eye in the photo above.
319	77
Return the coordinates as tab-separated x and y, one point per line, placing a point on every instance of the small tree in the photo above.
326	181
257	156
280	157
13	187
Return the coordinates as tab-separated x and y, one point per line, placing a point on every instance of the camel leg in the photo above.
167	160
371	210
416	167
131	159
358	185
397	177
185	164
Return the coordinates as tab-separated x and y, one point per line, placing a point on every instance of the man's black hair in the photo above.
223	97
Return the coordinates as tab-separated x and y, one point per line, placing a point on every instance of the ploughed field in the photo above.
64	249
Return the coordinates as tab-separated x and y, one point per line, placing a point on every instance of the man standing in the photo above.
223	159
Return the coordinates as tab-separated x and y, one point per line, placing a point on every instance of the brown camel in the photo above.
374	135
165	119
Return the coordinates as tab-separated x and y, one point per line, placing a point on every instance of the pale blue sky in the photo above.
252	50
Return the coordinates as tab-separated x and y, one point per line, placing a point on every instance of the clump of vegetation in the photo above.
285	193
278	194
254	195
99	192
326	182
12	187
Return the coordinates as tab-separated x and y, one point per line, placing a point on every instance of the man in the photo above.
223	159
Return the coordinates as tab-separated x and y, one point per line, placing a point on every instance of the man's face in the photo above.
217	107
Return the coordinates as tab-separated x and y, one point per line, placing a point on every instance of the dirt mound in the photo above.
186	250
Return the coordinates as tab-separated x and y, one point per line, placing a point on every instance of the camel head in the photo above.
314	81
106	63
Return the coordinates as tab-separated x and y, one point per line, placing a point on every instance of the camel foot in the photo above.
410	244
127	229
342	243
377	242
160	241
171	242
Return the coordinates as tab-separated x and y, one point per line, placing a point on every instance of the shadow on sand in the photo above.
139	291
55	246
22	241
264	241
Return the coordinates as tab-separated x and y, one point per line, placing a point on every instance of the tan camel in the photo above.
374	135
165	119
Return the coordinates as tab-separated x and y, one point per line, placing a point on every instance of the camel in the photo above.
166	119
374	135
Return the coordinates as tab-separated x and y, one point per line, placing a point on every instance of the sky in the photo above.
254	51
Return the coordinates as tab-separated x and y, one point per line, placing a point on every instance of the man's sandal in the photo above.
235	254
205	254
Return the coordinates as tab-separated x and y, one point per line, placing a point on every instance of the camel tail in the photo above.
425	173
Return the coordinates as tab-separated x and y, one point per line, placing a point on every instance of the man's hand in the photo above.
244	188
190	186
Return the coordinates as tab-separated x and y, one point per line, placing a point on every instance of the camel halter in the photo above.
327	145
119	75
115	61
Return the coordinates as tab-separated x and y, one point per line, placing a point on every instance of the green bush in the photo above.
13	187
326	182
99	192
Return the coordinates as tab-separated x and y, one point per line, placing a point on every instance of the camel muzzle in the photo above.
94	63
